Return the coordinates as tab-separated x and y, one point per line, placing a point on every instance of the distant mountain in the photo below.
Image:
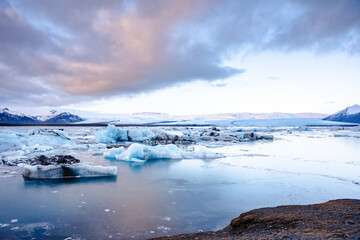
43	118
7	116
349	114
64	117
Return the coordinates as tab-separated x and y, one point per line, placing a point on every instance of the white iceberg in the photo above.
141	152
76	170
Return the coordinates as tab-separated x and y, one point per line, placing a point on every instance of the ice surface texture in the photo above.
76	170
114	134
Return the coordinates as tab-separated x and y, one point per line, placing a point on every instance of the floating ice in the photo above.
113	152
9	142
76	170
163	228
139	151
114	134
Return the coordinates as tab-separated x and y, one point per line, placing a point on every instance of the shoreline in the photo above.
335	219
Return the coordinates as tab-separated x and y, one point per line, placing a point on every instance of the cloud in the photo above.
69	51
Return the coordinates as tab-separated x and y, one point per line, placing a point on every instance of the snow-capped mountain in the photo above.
349	114
43	118
7	116
64	117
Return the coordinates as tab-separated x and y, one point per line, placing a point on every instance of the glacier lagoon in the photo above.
171	196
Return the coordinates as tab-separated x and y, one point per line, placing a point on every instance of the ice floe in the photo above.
141	152
76	170
157	136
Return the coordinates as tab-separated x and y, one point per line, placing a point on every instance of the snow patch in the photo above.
353	109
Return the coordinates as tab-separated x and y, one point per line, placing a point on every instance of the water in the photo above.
180	196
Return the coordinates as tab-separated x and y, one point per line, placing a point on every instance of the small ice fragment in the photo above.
83	202
152	232
166	218
2	225
82	194
54	191
163	228
14	220
124	205
14	228
107	210
113	211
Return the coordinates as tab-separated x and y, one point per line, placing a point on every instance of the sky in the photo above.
180	57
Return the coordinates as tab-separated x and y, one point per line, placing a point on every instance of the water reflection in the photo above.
56	182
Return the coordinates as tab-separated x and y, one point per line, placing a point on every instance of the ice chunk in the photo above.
9	142
113	152
91	170
139	135
114	134
142	152
76	170
134	152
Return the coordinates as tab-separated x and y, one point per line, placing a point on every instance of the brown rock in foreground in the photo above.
336	219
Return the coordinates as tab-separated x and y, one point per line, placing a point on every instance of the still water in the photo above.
169	197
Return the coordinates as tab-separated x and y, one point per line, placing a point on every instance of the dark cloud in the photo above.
66	51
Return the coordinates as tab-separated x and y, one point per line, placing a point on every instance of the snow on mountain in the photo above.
64	117
7	116
353	109
349	114
43	118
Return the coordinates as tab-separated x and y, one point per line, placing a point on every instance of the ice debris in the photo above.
141	152
156	136
114	134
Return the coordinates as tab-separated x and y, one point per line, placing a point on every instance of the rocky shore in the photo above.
336	219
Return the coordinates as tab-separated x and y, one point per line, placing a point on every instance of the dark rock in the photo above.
54	160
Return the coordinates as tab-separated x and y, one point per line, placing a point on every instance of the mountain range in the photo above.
349	114
7	116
